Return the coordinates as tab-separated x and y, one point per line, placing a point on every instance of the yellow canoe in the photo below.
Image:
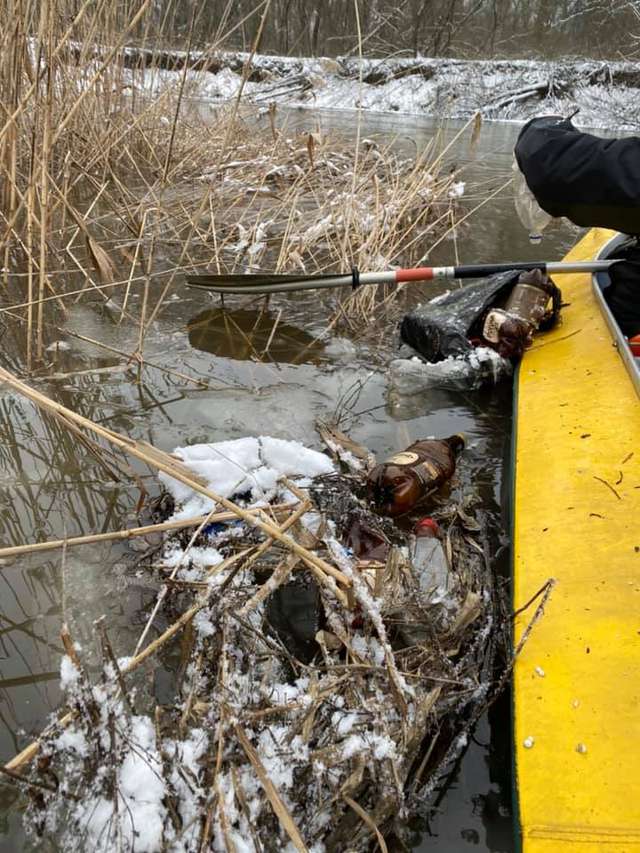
577	519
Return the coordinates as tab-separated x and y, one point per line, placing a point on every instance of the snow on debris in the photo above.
481	366
351	718
244	466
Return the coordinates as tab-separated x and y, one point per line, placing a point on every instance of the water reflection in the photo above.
252	335
473	810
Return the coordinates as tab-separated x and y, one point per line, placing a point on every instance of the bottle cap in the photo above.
458	441
427	527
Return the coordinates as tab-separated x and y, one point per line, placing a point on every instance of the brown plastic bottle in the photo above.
406	479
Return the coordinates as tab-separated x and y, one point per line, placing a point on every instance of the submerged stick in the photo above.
129	533
30	752
367	820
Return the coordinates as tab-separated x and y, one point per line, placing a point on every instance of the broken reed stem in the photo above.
543	594
282	812
176	114
109	657
141	231
368	820
128	533
305	506
36	786
30	193
145	362
98	288
30	752
165	588
171	466
46	24
243	82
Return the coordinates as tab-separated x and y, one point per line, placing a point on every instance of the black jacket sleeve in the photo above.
590	180
623	294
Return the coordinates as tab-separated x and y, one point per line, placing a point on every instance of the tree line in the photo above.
457	28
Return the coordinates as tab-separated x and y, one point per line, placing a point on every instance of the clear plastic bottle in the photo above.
532	216
430	561
530	297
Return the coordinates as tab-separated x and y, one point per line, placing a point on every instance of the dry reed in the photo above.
114	182
322	751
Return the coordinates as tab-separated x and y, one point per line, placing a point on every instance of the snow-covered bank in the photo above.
605	93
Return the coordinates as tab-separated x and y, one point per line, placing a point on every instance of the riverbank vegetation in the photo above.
111	192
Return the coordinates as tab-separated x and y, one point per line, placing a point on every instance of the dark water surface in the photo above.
50	486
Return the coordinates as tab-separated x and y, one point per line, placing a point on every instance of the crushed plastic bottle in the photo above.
532	216
481	366
429	561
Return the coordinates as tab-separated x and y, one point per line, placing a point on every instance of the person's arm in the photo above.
590	180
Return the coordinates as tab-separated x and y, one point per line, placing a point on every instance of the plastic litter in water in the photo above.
481	366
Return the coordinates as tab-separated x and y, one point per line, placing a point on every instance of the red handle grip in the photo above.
419	274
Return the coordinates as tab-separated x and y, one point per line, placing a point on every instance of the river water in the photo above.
51	487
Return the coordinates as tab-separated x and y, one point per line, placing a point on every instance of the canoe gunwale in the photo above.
600	280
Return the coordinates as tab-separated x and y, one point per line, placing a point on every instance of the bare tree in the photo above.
468	28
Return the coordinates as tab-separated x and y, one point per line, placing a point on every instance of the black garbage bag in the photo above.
623	294
440	329
590	180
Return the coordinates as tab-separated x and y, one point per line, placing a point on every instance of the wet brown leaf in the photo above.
101	261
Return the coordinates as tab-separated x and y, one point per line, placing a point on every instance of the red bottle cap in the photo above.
427	527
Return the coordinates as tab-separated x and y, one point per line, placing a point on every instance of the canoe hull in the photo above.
576	694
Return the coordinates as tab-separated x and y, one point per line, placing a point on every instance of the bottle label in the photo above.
404	458
492	325
433	471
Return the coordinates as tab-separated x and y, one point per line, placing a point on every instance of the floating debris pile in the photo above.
319	687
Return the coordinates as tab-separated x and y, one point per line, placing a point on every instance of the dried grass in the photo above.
113	192
337	746
112	189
